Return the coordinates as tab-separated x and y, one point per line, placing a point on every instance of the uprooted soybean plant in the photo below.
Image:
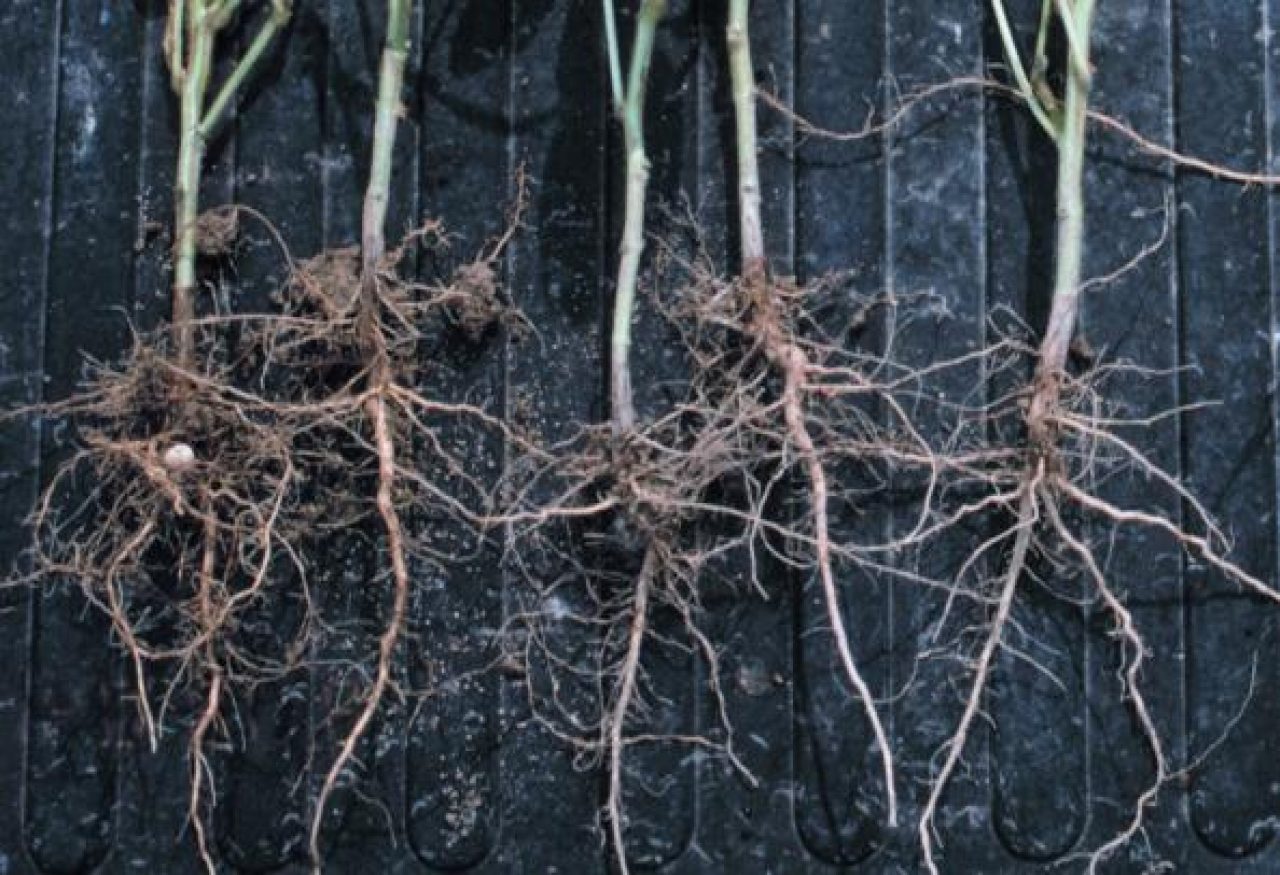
217	458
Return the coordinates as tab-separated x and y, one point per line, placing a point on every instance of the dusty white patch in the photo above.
179	458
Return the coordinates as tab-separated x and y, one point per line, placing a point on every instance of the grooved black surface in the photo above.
954	202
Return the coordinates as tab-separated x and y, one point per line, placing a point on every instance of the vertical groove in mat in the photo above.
1021	166
936	255
29	40
1229	462
1174	842
1271	96
451	803
505	698
1271	67
361	821
558	116
154	829
740	826
353	40
262	810
839	207
1131	318
1036	750
897	670
1020	169
75	698
660	785
364	825
220	282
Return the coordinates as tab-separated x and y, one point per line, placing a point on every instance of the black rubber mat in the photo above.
957	201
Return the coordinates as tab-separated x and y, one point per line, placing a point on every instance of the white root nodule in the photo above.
179	458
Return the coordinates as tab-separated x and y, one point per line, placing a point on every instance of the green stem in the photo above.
742	78
190	39
1069	251
1014	60
195	82
632	246
373	241
1040	58
614	55
217	111
223	11
175	30
1077	43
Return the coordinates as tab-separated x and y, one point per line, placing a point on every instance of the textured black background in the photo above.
949	202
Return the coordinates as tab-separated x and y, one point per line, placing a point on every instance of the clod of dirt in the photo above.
216	232
330	281
478	306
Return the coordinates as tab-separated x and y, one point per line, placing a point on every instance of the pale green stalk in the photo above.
1070	198
1077	42
1040	58
1014	60
190	39
614	55
217	113
395	56
743	84
632	246
194	82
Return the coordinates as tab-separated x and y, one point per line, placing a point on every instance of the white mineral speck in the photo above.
179	458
